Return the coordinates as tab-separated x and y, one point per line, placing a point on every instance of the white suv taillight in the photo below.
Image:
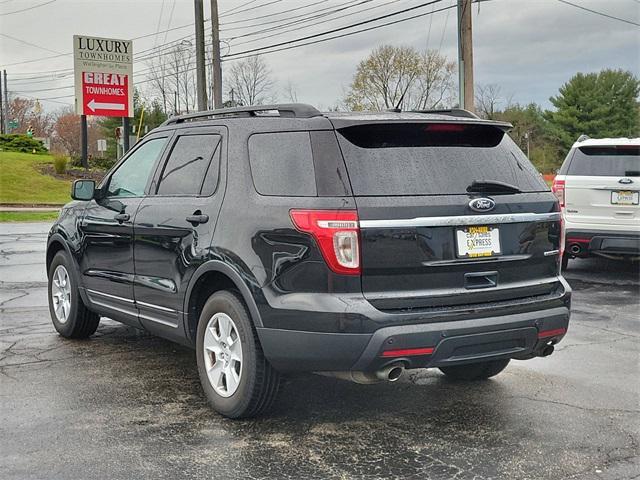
558	189
337	234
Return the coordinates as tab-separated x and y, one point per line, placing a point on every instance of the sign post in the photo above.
103	72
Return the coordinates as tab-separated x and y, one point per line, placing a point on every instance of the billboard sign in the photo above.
103	72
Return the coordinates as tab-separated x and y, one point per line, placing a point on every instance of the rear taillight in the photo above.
558	189
337	233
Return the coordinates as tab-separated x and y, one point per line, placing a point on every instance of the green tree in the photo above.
603	104
531	133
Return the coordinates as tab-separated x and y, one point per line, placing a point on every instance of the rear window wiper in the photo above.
492	186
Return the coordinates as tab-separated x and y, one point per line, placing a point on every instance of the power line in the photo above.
171	44
237	55
600	13
29	43
189	67
308	37
28	8
272	15
227	14
155	53
386	4
246	4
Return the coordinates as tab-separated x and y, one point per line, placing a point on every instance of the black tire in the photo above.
259	382
475	371
80	321
565	262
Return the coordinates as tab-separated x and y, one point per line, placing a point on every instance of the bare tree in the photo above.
28	113
172	79
488	99
291	92
400	77
435	84
66	134
250	82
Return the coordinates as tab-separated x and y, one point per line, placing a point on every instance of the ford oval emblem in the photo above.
482	204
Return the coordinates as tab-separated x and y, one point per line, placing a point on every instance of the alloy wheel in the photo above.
61	293
223	354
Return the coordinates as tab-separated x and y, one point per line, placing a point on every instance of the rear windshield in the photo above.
621	161
433	159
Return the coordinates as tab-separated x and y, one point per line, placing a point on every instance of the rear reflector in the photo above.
552	333
337	235
407	352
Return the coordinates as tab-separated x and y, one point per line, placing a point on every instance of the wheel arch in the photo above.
209	278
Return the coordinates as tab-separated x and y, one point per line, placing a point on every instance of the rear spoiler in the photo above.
339	123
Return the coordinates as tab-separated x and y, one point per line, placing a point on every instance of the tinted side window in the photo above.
282	164
622	161
130	179
188	165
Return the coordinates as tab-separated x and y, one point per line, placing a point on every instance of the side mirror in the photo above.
83	189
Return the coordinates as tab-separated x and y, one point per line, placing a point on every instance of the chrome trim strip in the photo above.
110	307
156	307
551	252
454	221
157	320
115	297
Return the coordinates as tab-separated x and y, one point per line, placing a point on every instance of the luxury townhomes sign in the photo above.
103	72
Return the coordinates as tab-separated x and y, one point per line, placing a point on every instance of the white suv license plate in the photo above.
478	241
624	197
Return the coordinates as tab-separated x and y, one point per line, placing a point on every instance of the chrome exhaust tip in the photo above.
390	373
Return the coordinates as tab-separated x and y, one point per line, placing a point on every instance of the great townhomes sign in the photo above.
103	72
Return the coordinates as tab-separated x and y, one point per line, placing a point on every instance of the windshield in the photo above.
433	159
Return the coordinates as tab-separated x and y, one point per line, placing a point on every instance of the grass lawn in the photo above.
22	183
27	216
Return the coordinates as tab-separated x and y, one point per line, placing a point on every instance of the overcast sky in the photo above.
528	47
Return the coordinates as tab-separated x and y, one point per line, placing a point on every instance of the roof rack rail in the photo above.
454	112
291	110
583	137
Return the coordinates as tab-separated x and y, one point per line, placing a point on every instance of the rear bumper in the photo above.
453	342
582	242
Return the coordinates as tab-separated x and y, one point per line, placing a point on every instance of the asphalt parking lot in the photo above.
125	404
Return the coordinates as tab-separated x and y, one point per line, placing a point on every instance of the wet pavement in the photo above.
125	404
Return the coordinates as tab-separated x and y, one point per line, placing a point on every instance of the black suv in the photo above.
279	238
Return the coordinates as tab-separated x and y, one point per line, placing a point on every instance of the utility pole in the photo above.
84	150
201	77
465	56
125	135
1	107
6	103
217	67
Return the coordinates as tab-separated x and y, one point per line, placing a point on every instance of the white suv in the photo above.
598	187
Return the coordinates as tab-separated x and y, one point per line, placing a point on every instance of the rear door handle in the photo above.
197	218
122	217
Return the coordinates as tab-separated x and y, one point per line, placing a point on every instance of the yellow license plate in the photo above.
478	241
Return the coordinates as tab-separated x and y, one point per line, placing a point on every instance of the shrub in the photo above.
20	143
60	164
102	163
